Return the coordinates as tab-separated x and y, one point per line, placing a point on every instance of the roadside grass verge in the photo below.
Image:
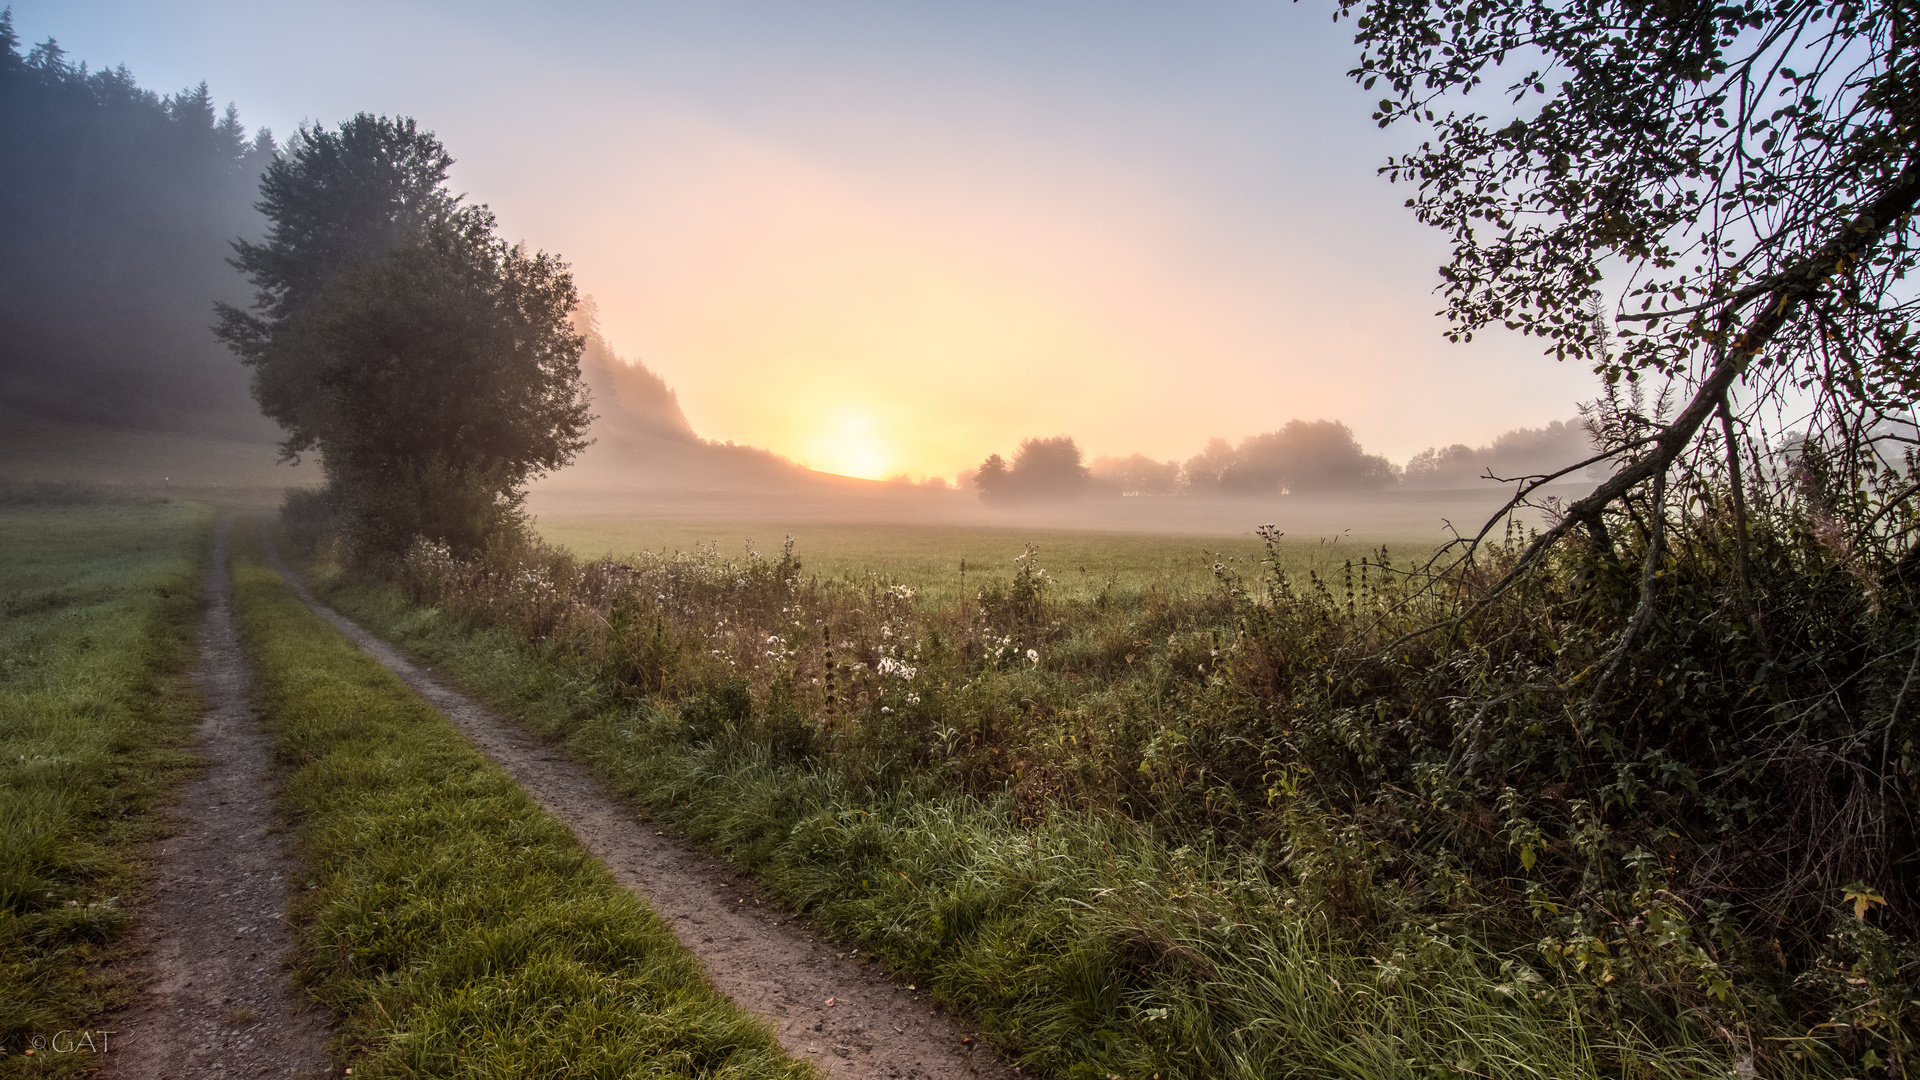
98	602
453	927
1087	944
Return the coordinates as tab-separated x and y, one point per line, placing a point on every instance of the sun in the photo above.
852	445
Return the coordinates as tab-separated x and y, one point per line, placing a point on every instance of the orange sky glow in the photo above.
884	239
875	329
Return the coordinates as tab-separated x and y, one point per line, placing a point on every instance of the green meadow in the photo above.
930	558
98	600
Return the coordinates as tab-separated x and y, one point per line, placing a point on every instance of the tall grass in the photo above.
1088	945
454	928
1254	830
97	606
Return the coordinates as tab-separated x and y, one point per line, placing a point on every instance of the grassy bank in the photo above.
453	927
1036	836
98	601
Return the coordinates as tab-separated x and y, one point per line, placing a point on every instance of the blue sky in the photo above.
895	237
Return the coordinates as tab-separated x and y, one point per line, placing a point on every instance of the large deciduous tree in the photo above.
431	365
1743	171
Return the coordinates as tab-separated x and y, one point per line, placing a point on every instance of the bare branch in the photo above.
1796	287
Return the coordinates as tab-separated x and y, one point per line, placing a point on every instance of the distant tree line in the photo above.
116	208
1303	456
1517	453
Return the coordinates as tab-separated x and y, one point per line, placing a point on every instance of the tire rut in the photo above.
850	1019
213	943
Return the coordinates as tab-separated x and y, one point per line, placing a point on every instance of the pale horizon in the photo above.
881	240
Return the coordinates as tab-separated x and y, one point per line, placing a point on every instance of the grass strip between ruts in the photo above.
97	610
454	927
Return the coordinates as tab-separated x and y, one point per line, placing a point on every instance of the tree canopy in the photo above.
1512	454
1043	469
352	194
1305	455
1739	177
1137	474
432	365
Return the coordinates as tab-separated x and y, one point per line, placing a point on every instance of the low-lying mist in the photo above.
1311	478
120	206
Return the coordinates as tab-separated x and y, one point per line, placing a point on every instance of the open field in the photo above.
550	715
920	538
132	461
928	557
1118	824
1410	515
97	604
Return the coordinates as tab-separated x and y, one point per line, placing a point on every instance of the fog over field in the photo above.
121	202
647	462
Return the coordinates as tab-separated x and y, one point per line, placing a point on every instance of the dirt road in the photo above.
217	1000
849	1018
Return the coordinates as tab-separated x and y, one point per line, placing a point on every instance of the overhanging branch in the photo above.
1789	290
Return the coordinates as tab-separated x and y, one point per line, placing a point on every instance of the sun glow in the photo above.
851	445
864	333
882	320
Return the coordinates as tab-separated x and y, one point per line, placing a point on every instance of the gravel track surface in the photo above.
217	1000
849	1018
